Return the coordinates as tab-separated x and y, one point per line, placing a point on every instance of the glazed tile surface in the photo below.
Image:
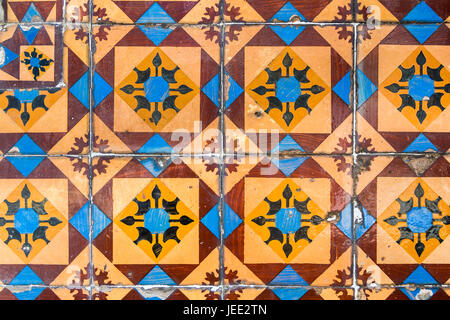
235	149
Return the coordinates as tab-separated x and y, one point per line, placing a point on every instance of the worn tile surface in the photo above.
235	149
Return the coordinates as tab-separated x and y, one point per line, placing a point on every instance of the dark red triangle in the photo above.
42	38
47	294
339	243
310	169
309	272
397	168
102	199
235	240
77	243
309	141
47	273
398	272
208	199
179	38
177	295
8	140
176	10
134	272
133	295
134	9
367	243
309	37
400	35
135	38
48	139
133	169
103	242
5	294
399	140
440	168
178	170
46	170
178	272
133	140
439	140
235	112
266	37
76	200
267	271
208	241
9	271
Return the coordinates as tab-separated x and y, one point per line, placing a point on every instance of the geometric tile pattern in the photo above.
237	150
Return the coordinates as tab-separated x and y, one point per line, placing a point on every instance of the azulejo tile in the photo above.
151	229
404	94
289	229
48	120
34	11
163	96
40	243
288	89
405	224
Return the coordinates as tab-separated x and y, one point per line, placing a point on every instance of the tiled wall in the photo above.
238	149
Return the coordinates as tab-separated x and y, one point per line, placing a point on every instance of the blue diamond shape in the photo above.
418	276
81	89
27	277
156	145
287	33
421	32
289	277
8	54
421	144
211	89
157	277
26	164
32	15
155	14
345	222
212	221
288	165
365	88
343	87
423	13
81	221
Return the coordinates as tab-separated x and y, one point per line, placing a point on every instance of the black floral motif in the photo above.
282	220
416	90
26	221
275	89
156	89
157	219
36	62
416	221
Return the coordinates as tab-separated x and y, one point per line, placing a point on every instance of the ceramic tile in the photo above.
403	80
256	183
288	228
135	242
31	11
43	120
404	214
130	115
42	241
288	90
